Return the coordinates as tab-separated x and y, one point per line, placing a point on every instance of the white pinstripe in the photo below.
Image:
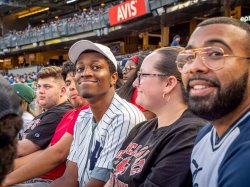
111	131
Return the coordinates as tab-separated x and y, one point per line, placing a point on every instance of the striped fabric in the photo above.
95	145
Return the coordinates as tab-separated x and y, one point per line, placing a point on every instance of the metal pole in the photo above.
227	8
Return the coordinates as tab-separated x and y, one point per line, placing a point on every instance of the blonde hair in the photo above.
26	107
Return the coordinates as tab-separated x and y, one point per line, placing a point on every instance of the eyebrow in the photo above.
93	60
78	61
212	41
45	84
220	42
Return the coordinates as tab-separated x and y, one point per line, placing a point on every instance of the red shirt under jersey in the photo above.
66	125
133	101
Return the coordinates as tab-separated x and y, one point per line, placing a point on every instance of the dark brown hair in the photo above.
167	65
10	125
68	67
126	91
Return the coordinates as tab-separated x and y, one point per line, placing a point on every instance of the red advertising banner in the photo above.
127	10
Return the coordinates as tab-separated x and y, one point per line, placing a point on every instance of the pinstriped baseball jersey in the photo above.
95	145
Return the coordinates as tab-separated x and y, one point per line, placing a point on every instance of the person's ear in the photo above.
114	78
62	91
170	84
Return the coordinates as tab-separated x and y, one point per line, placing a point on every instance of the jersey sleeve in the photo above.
235	168
42	134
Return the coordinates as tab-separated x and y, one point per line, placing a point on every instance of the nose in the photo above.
136	83
41	89
124	72
72	86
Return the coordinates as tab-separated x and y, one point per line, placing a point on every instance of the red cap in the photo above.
134	59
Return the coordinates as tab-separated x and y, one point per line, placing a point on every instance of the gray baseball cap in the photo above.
83	45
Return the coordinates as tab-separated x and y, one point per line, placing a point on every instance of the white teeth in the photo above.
198	87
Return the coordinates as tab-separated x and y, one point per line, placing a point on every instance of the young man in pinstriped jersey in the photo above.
100	130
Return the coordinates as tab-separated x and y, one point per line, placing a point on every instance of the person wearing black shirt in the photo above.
157	152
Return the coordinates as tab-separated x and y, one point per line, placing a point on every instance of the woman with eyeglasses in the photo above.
157	152
130	67
127	91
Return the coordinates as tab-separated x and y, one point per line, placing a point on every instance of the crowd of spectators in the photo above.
27	78
54	28
30	78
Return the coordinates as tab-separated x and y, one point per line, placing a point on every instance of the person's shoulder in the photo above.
235	165
69	113
63	107
27	115
191	120
121	106
203	132
243	129
83	119
174	43
243	124
151	124
85	113
83	108
76	111
122	112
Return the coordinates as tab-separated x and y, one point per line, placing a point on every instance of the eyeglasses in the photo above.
128	68
140	75
211	57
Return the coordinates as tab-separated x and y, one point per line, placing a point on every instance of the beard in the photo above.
213	107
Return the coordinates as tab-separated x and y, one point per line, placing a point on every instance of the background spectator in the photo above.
27	95
176	40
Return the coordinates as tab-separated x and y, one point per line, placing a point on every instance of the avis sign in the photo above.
128	10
